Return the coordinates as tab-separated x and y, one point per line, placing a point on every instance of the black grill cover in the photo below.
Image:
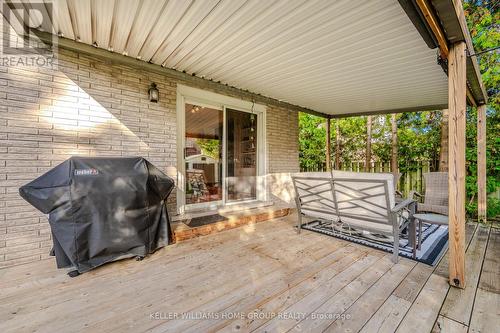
103	209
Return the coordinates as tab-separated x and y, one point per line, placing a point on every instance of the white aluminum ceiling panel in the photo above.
238	33
102	21
335	57
174	10
208	26
61	18
197	12
145	21
125	13
80	13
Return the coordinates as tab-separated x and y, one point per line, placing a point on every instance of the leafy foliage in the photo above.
209	147
312	143
352	139
483	19
419	138
418	135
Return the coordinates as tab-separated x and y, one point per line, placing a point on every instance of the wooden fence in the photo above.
411	177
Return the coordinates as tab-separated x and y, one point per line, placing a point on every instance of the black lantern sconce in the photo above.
153	93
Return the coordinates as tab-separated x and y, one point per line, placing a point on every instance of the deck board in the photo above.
362	310
459	302
264	269
338	303
424	311
388	317
486	312
447	325
490	275
306	279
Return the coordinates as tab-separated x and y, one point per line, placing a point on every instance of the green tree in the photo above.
352	140
483	19
419	138
209	147
312	142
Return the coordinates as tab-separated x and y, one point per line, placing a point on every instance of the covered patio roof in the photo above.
328	57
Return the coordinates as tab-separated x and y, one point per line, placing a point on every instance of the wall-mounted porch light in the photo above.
153	93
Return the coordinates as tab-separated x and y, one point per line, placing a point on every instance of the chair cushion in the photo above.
355	223
389	177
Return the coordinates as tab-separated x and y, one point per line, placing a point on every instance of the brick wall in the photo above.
282	140
91	107
283	158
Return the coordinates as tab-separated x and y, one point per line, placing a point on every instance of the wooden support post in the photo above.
368	143
328	145
337	144
394	150
456	160
443	152
481	163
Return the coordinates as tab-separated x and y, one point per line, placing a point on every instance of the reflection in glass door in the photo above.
241	156
203	154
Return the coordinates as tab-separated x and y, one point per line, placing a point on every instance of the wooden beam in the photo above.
456	159
433	22
328	145
440	36
459	11
481	163
470	98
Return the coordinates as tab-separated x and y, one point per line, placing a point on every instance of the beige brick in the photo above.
19	248
25	240
23	254
14	262
28	162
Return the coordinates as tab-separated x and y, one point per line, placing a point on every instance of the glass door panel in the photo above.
203	154
241	156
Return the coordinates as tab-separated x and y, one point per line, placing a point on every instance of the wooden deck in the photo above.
262	278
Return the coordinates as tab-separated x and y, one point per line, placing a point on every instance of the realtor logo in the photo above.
21	20
86	172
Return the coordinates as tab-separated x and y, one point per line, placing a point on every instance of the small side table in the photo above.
428	218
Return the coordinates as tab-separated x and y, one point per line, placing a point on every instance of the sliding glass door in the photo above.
241	156
220	156
203	154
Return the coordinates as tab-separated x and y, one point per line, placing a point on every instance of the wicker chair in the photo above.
435	199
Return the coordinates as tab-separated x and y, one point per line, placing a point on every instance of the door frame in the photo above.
186	94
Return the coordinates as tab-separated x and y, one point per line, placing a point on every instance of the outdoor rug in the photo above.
434	240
